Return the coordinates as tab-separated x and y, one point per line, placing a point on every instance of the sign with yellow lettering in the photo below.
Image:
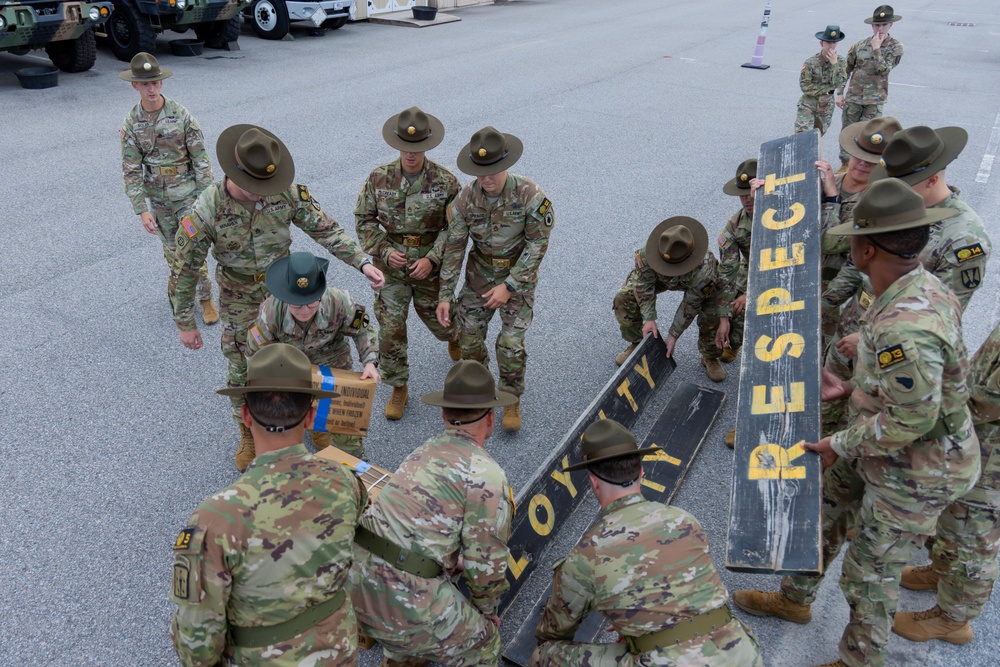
774	519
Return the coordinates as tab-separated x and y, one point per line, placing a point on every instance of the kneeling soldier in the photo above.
646	567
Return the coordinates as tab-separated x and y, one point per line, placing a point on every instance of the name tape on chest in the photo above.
891	356
969	253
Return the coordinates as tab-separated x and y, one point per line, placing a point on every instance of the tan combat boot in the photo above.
624	354
923	626
398	400
713	369
729	354
922	578
406	662
772	603
731	438
208	312
246	452
364	641
454	350
512	416
321	439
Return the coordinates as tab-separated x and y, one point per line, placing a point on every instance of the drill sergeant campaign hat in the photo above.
676	246
489	152
298	279
740	185
279	367
144	67
413	131
867	139
469	385
831	34
604	440
254	159
883	14
917	153
890	206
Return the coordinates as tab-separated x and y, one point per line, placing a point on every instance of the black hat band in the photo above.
245	170
485	163
468	399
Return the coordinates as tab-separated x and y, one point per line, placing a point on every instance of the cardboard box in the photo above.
351	412
373	477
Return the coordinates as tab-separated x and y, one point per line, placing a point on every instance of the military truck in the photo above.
64	29
134	24
270	18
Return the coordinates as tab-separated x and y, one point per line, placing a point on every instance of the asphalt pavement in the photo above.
110	431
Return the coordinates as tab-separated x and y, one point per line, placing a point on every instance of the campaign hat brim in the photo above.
892	19
241	391
438	399
590	462
931	216
225	153
514	150
433	140
955	140
697	256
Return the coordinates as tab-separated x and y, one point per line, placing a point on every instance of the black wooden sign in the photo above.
774	520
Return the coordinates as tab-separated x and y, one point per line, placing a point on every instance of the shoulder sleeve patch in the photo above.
723	239
183	541
903	381
640	263
360	318
891	356
257	336
709	288
303	193
969	252
545	207
189	227
121	132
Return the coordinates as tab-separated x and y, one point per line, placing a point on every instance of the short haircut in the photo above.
904	242
278	408
463	414
618	470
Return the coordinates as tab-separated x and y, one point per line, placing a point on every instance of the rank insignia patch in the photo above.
184	539
891	356
903	381
971	277
969	252
189	227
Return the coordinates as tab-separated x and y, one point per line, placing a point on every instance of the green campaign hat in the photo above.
144	67
255	159
831	34
604	440
298	279
676	246
883	14
489	152
413	131
279	367
740	184
867	139
469	385
890	206
917	153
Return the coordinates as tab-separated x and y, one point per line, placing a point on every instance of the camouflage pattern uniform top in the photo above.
984	403
703	291
734	252
836	250
644	566
868	70
388	203
514	228
323	338
259	553
819	77
169	137
958	248
246	241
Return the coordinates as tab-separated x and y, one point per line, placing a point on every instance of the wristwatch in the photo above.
509	288
835	199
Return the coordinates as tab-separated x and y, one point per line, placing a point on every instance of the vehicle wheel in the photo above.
270	18
76	55
218	33
129	31
333	24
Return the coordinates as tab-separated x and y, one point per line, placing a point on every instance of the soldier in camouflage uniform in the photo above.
820	76
165	165
245	220
868	65
304	312
676	257
446	510
401	222
964	555
646	567
260	572
509	219
912	442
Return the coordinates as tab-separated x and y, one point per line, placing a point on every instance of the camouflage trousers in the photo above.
392	306
417	617
814	112
834	413
239	303
732	644
855	113
168	215
515	318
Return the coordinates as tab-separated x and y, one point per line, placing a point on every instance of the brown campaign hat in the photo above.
917	153
144	67
469	385
676	246
413	131
867	139
489	152
604	440
831	34
740	184
298	279
255	159
890	206
883	14
279	367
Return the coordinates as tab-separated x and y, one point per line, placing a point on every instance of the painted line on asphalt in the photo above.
986	166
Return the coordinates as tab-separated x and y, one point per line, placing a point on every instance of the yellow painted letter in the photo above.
643	370
623	391
768	349
564	478
798	212
550	518
759	404
775	300
780	258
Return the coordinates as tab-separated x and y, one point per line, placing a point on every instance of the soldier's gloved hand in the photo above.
191	339
373	275
397	260
148	222
443	310
421	268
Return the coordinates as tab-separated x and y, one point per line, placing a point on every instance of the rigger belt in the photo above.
684	630
413	240
395	555
503	262
266	635
244	277
171	170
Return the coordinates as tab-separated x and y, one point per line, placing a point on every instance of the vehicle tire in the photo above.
333	24
218	33
76	55
129	32
270	18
